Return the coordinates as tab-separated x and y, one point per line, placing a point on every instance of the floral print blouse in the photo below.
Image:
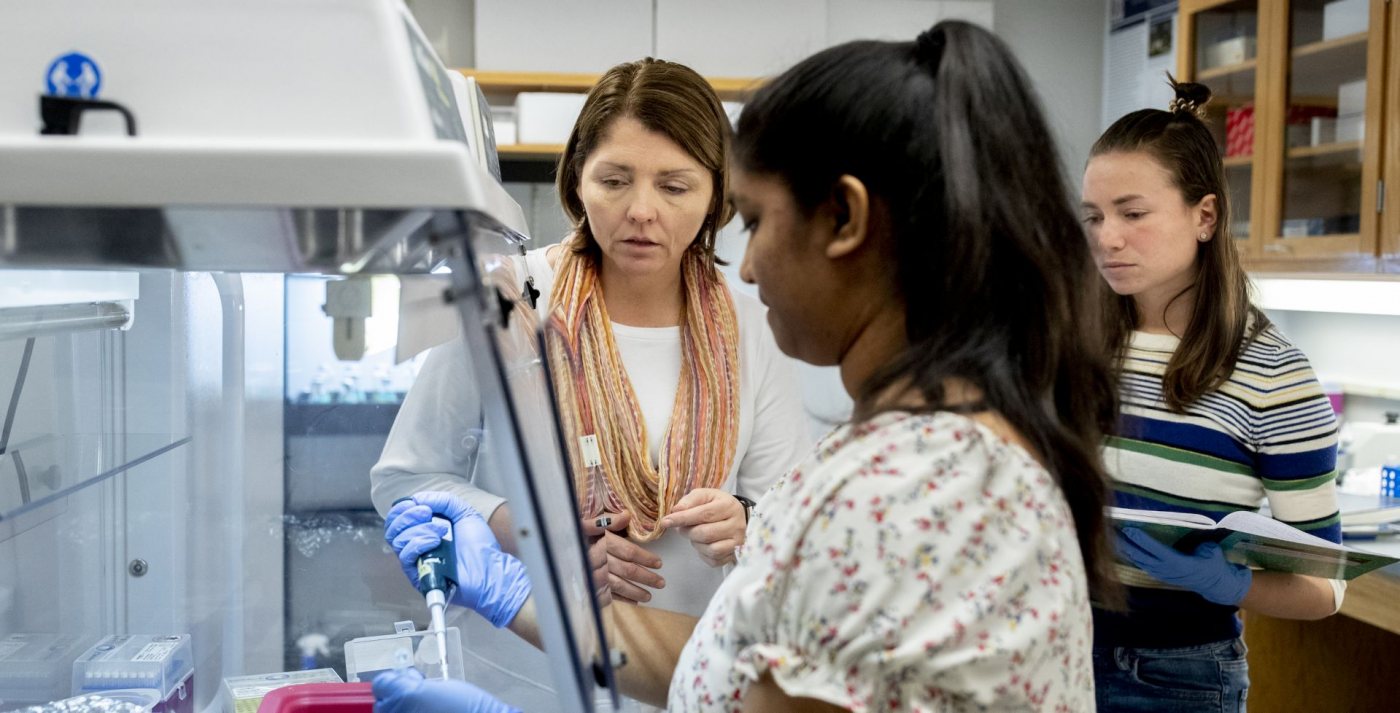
914	562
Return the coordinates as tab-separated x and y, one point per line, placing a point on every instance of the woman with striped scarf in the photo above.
677	407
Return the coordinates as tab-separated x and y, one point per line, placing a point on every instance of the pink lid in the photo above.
320	698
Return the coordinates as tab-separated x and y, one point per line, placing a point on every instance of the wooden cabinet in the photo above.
1390	220
501	88
1303	113
1345	662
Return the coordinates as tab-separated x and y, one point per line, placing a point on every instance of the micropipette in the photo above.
437	580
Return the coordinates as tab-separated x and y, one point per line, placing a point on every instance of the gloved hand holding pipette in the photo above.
406	691
490	582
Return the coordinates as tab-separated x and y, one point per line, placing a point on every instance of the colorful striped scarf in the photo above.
595	397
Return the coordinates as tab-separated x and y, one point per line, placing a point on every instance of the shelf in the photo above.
1348	43
1197	6
1319	67
728	88
1330	236
1309	247
1215	73
1238	161
39	469
1371	390
1232	84
530	151
1335	149
1345	156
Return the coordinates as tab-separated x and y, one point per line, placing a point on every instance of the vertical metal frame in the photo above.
480	311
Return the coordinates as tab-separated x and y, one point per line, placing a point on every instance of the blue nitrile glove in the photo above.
406	691
489	581
1205	571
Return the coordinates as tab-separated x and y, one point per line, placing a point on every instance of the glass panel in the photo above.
1326	118
107	490
517	343
206	474
341	582
1226	46
61	429
36	469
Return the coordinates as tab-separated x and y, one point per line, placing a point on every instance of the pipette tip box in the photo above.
34	668
164	663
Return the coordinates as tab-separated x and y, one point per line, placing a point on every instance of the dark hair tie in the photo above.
928	48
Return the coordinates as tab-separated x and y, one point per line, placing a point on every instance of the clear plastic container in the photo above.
371	655
163	663
34	668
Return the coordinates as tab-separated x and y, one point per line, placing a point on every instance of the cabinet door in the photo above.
1390	224
1324	131
1221	43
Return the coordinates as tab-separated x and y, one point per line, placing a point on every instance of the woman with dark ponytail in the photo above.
1219	413
910	224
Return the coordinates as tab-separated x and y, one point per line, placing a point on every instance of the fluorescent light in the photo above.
1339	296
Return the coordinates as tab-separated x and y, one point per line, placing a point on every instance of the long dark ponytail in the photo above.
991	263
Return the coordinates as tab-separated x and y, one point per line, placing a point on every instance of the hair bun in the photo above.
1191	98
928	47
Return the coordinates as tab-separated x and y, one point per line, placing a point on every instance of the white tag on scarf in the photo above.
592	456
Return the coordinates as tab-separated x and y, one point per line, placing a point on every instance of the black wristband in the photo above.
748	506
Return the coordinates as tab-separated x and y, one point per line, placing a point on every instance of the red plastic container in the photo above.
1239	130
320	698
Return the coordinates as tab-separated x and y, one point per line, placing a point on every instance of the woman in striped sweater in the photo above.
1219	412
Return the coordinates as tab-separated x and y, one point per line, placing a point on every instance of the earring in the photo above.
1203	237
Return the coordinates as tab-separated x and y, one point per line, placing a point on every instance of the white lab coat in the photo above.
436	439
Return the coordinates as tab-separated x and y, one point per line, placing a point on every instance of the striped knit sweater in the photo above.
1267	433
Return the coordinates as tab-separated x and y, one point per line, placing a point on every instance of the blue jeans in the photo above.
1194	679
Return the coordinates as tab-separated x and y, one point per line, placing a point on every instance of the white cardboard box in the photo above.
1232	51
1351	127
739	38
505	131
555	36
546	117
1345	17
1351	98
1324	130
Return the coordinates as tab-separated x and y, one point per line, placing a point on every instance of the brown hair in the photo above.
670	99
1221	312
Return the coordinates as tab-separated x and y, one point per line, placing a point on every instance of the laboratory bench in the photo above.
1346	662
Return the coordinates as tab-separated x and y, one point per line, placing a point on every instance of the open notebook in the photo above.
1256	540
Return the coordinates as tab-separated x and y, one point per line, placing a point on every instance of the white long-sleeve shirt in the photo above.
436	438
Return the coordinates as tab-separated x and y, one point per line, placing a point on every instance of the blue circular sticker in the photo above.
74	75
